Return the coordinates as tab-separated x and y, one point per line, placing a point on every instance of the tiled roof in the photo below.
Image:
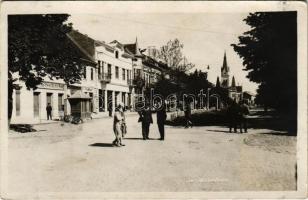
85	44
130	48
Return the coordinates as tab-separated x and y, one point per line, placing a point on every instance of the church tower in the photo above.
225	73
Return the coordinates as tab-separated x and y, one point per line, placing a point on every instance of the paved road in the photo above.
79	158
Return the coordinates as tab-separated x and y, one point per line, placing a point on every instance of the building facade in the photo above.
114	73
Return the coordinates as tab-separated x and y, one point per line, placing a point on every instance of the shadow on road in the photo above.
138	139
101	145
218	131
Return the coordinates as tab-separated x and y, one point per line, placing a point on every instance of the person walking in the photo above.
49	110
161	119
244	112
123	125
145	119
187	113
233	116
117	123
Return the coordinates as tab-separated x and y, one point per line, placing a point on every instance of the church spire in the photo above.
136	45
137	52
233	82
225	65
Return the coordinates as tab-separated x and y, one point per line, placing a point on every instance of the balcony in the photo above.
106	78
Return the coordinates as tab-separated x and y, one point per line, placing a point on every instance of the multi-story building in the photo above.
115	66
29	106
113	74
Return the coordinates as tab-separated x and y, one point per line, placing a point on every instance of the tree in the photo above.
38	46
269	52
172	55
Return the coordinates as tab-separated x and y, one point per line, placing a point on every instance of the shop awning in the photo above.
79	95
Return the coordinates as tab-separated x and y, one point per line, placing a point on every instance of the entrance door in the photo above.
36	104
101	100
49	99
91	102
60	102
109	102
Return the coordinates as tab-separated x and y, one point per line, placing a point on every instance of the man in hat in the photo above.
161	119
146	119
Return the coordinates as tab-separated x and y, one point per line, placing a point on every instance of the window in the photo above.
123	74
127	74
116	54
99	67
17	92
60	102
109	69
117	72
36	104
139	72
91	73
85	72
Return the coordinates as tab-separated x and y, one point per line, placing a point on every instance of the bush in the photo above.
207	118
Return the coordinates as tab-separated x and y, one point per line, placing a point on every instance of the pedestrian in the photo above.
117	122
145	119
161	119
123	125
233	116
49	111
187	113
244	112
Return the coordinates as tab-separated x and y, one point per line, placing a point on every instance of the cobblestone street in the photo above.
80	158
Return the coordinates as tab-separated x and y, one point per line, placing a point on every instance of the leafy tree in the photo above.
269	52
38	46
172	55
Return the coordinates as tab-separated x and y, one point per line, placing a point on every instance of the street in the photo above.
80	158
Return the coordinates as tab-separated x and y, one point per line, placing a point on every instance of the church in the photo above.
234	92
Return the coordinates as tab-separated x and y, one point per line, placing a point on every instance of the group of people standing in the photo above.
145	117
237	114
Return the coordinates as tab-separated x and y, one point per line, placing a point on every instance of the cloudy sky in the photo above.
205	36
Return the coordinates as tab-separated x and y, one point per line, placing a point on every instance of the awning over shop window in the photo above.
79	95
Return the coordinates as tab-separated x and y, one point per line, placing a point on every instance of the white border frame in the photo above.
84	7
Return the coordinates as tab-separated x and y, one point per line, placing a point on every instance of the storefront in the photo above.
29	106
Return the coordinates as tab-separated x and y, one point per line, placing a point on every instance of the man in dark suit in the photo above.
161	119
146	119
49	110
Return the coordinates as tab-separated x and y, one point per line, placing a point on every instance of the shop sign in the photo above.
51	85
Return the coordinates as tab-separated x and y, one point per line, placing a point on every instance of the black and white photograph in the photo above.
144	100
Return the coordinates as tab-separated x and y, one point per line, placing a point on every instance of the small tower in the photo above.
225	73
217	82
233	82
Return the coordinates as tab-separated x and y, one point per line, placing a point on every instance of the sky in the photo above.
205	36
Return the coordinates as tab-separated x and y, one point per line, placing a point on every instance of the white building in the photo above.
107	81
114	73
115	68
